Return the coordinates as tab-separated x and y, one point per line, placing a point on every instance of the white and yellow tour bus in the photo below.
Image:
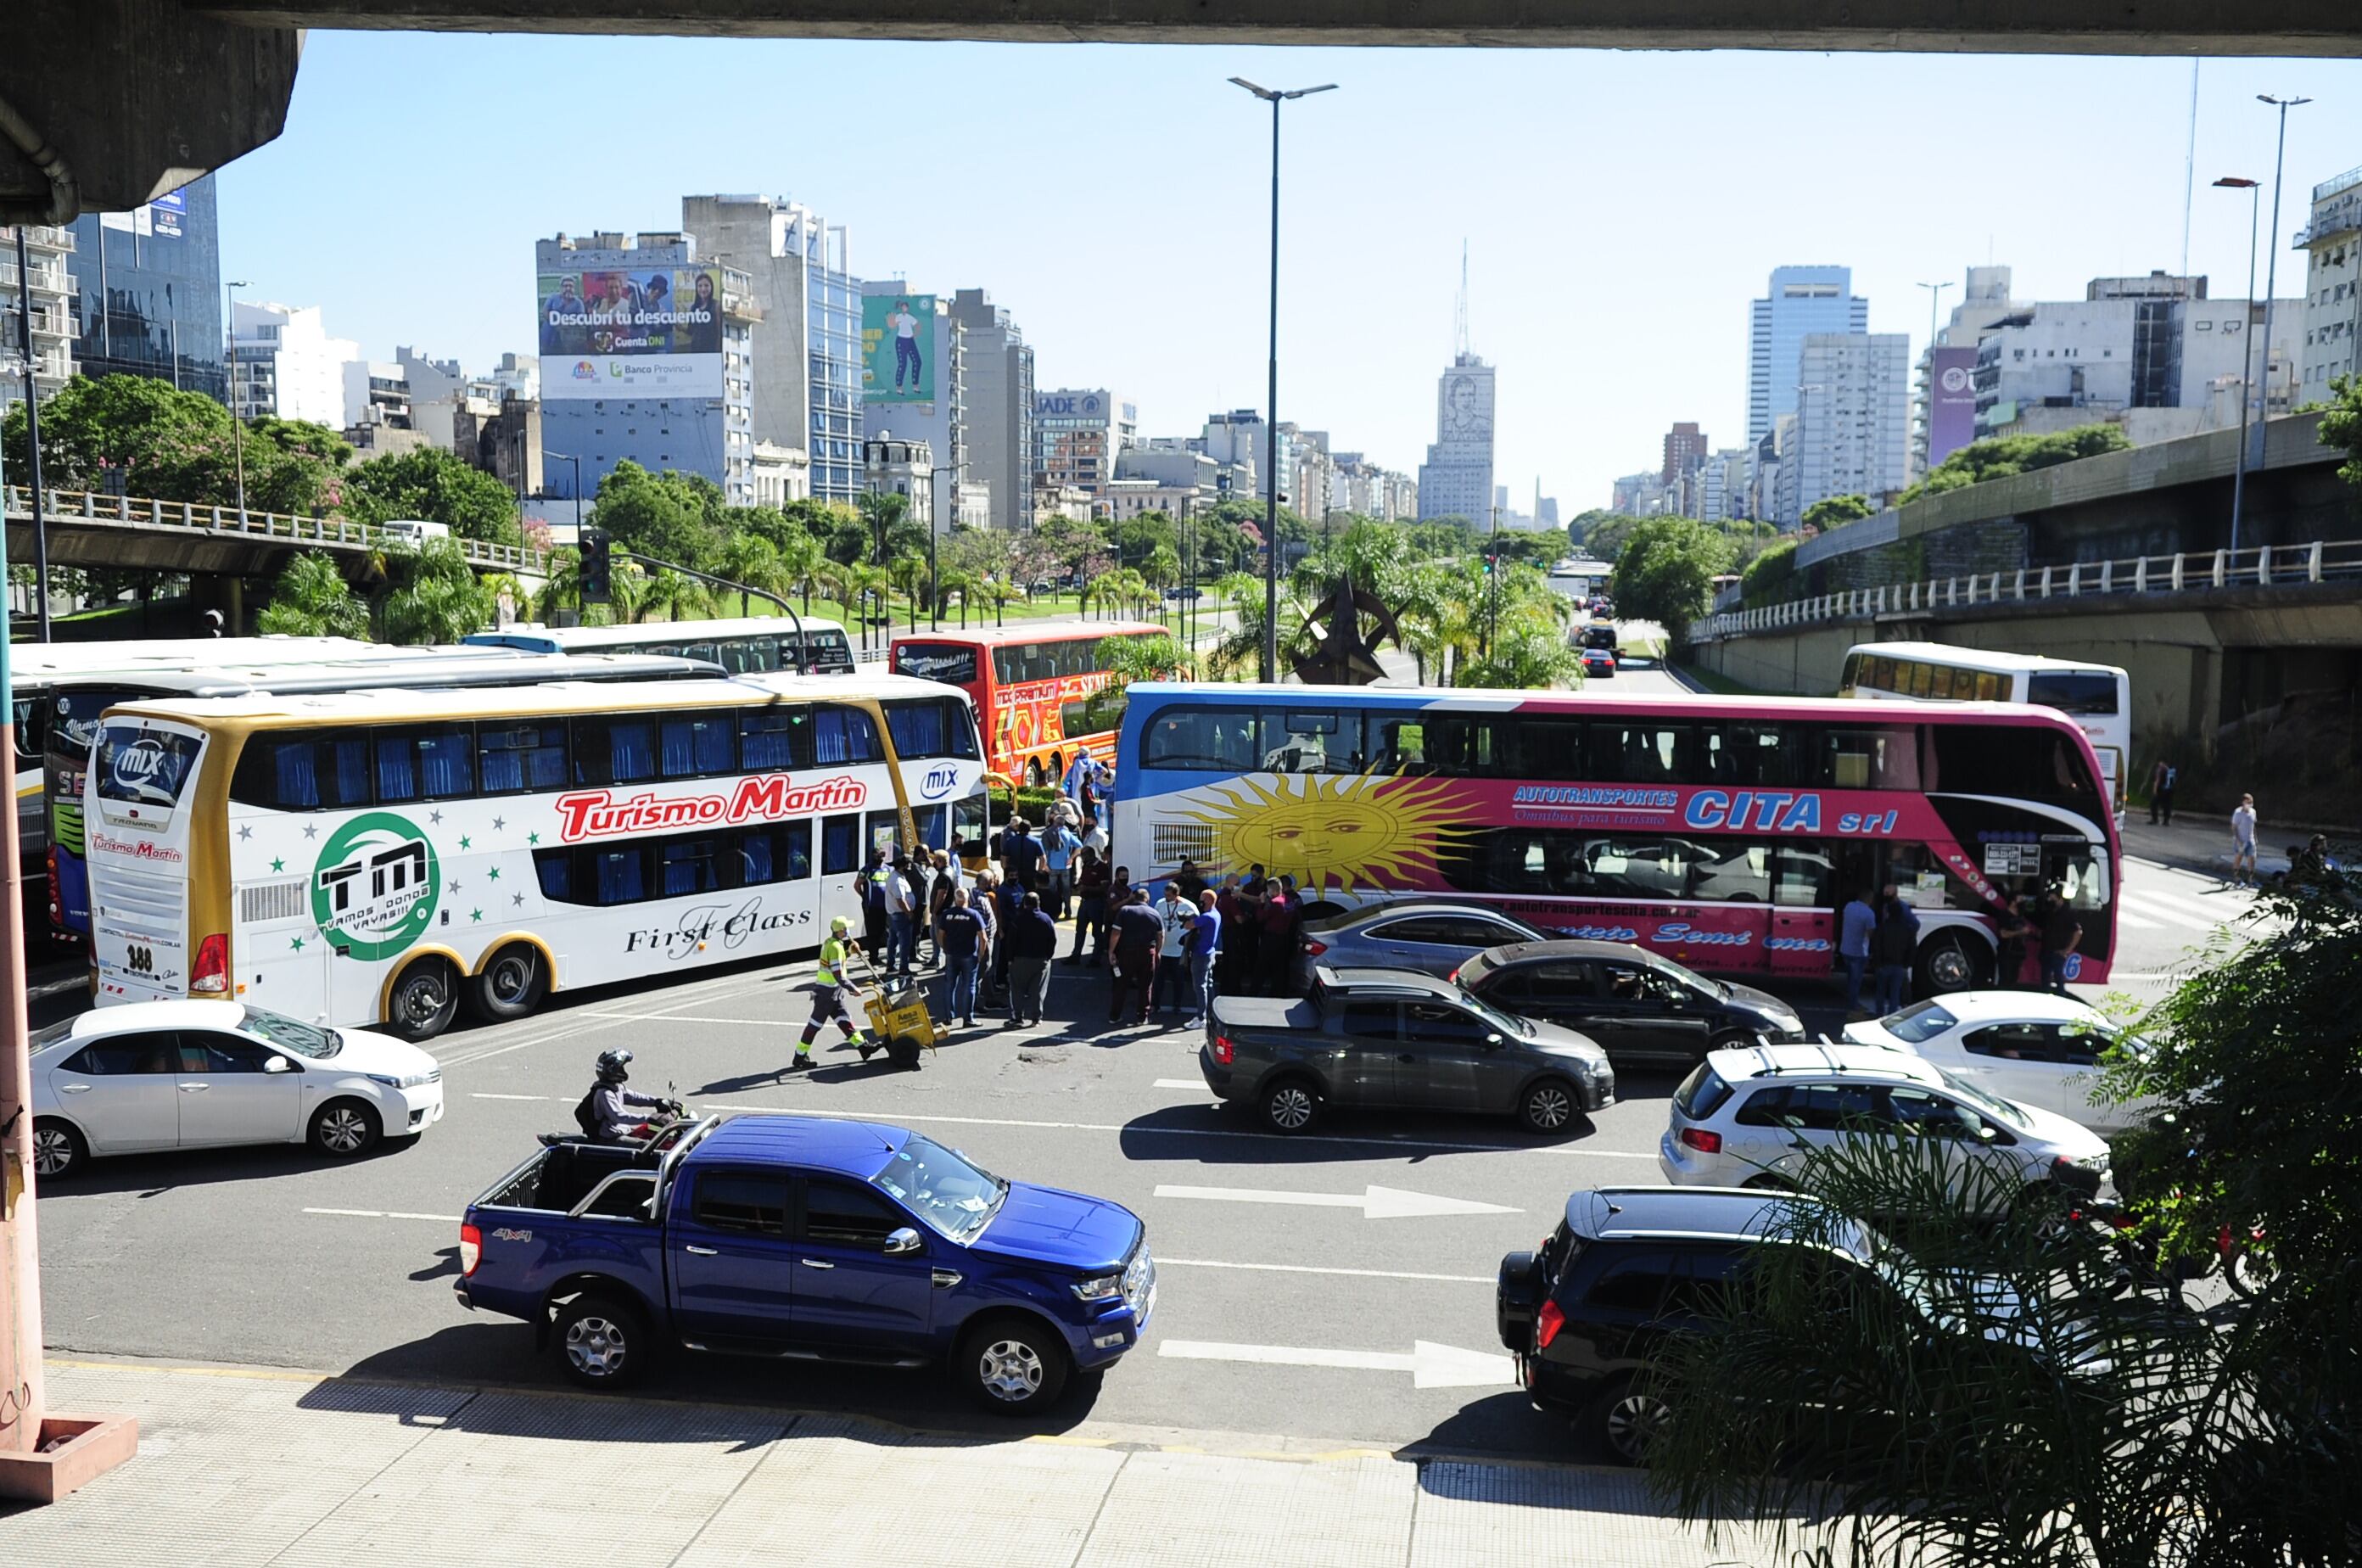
379	858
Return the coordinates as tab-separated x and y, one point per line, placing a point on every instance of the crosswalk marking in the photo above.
2156	914
2127	917
2219	907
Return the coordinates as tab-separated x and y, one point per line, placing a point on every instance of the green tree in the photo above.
311	599
1132	660
1765	579
750	559
1836	512
1665	572
431	484
2341	426
434	597
1526	654
2004	455
676	597
138	436
671	517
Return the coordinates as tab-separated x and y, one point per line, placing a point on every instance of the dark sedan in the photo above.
1643	1009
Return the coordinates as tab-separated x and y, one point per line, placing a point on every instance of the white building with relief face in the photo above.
1456	480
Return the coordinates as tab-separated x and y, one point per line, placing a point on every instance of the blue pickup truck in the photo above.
795	1237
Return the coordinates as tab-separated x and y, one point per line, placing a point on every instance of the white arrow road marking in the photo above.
1376	1203
384	1214
1430	1366
1198	1084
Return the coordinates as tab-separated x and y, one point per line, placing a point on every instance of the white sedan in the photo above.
195	1075
2029	1046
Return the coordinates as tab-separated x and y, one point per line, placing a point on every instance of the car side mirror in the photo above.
1493	1041
901	1242
276	1065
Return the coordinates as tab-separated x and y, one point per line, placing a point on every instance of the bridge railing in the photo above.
2265	567
333	533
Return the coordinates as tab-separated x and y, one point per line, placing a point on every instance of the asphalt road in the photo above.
1303	1318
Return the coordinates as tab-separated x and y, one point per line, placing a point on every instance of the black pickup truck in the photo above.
1392	1039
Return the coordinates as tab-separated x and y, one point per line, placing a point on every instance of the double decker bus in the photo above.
75	704
1032	685
1722	833
2098	697
740	645
384	857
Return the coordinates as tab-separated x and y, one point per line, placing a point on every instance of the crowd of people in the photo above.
1878	940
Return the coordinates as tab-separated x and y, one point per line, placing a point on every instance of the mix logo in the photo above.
373	889
940	781
139	767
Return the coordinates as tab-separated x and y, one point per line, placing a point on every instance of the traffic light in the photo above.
1489	561
597	569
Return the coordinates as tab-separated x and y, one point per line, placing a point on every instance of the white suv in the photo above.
1750	1117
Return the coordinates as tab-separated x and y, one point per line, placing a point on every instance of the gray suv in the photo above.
1388	1039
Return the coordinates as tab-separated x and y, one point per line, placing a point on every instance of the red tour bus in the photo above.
1030	684
1722	833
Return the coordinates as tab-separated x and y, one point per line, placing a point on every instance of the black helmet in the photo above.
612	1064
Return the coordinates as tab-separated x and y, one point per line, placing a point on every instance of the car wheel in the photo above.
345	1128
1548	1106
422	1000
601	1342
1291	1105
1624	1421
58	1151
1949	962
511	985
1734	1040
1013	1367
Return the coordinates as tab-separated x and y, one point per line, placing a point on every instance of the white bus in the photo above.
2098	697
35	668
380	858
742	645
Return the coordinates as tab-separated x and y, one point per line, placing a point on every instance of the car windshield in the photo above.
1493	1015
941	1187
1690	979
2001	1110
1917	1023
293	1035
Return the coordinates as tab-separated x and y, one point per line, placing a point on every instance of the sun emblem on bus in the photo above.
1354	830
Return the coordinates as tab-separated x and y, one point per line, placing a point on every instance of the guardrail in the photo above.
338	533
2267	566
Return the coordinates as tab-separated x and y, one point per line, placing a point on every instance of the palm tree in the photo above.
679	597
311	599
801	559
908	573
962	583
753	562
1161	570
564	587
627	595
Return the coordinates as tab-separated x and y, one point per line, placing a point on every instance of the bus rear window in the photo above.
2074	692
936	661
145	767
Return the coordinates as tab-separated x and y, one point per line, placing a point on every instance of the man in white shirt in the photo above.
906	344
1178	914
2243	843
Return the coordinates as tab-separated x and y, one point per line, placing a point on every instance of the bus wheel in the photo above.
1950	962
1034	774
423	999
511	985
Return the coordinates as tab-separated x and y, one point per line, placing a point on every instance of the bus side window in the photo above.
1991	687
620	875
840	844
774	739
1403	746
1869	760
695	747
1852	675
798	850
843	734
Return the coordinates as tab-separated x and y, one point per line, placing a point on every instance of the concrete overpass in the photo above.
106	103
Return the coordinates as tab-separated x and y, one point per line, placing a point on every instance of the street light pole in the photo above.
1274	97
580	606
33	438
2254	190
2272	284
237	418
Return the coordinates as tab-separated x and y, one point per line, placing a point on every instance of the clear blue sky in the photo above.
1619	209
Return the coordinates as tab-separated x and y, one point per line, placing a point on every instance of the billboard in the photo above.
898	347
631	332
1951	403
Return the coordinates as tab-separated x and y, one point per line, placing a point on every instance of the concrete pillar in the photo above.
2140	576
2177	559
2107	577
2263	566
2074	579
2313	563
2046	583
2222	566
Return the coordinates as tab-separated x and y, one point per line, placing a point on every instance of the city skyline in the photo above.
1604	344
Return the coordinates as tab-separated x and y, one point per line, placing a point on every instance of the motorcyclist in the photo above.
606	1112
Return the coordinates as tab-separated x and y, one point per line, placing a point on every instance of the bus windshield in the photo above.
2073	693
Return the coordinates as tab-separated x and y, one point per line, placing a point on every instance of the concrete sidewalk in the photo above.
2204	843
242	1466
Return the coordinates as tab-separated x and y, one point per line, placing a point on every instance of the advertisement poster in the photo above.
1952	403
897	348
632	332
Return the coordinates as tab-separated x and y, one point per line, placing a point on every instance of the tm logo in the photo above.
373	889
940	781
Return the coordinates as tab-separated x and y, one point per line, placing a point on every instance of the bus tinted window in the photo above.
1868	758
826	653
1752	755
843	734
935	728
1583	862
774	740
2021	761
619	750
140	767
433	763
697	746
840	844
1215	739
936	661
1300	740
522	753
304	772
2073	692
1640	751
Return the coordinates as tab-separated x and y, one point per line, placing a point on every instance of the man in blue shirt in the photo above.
1853	946
1204	947
1058	846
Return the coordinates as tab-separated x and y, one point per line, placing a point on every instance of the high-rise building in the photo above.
1076	434
2332	240
1238	441
1944	421
804	330
1456	480
1685	448
1853	418
1800	300
647	355
999	370
938	425
148	292
283	362
52	285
